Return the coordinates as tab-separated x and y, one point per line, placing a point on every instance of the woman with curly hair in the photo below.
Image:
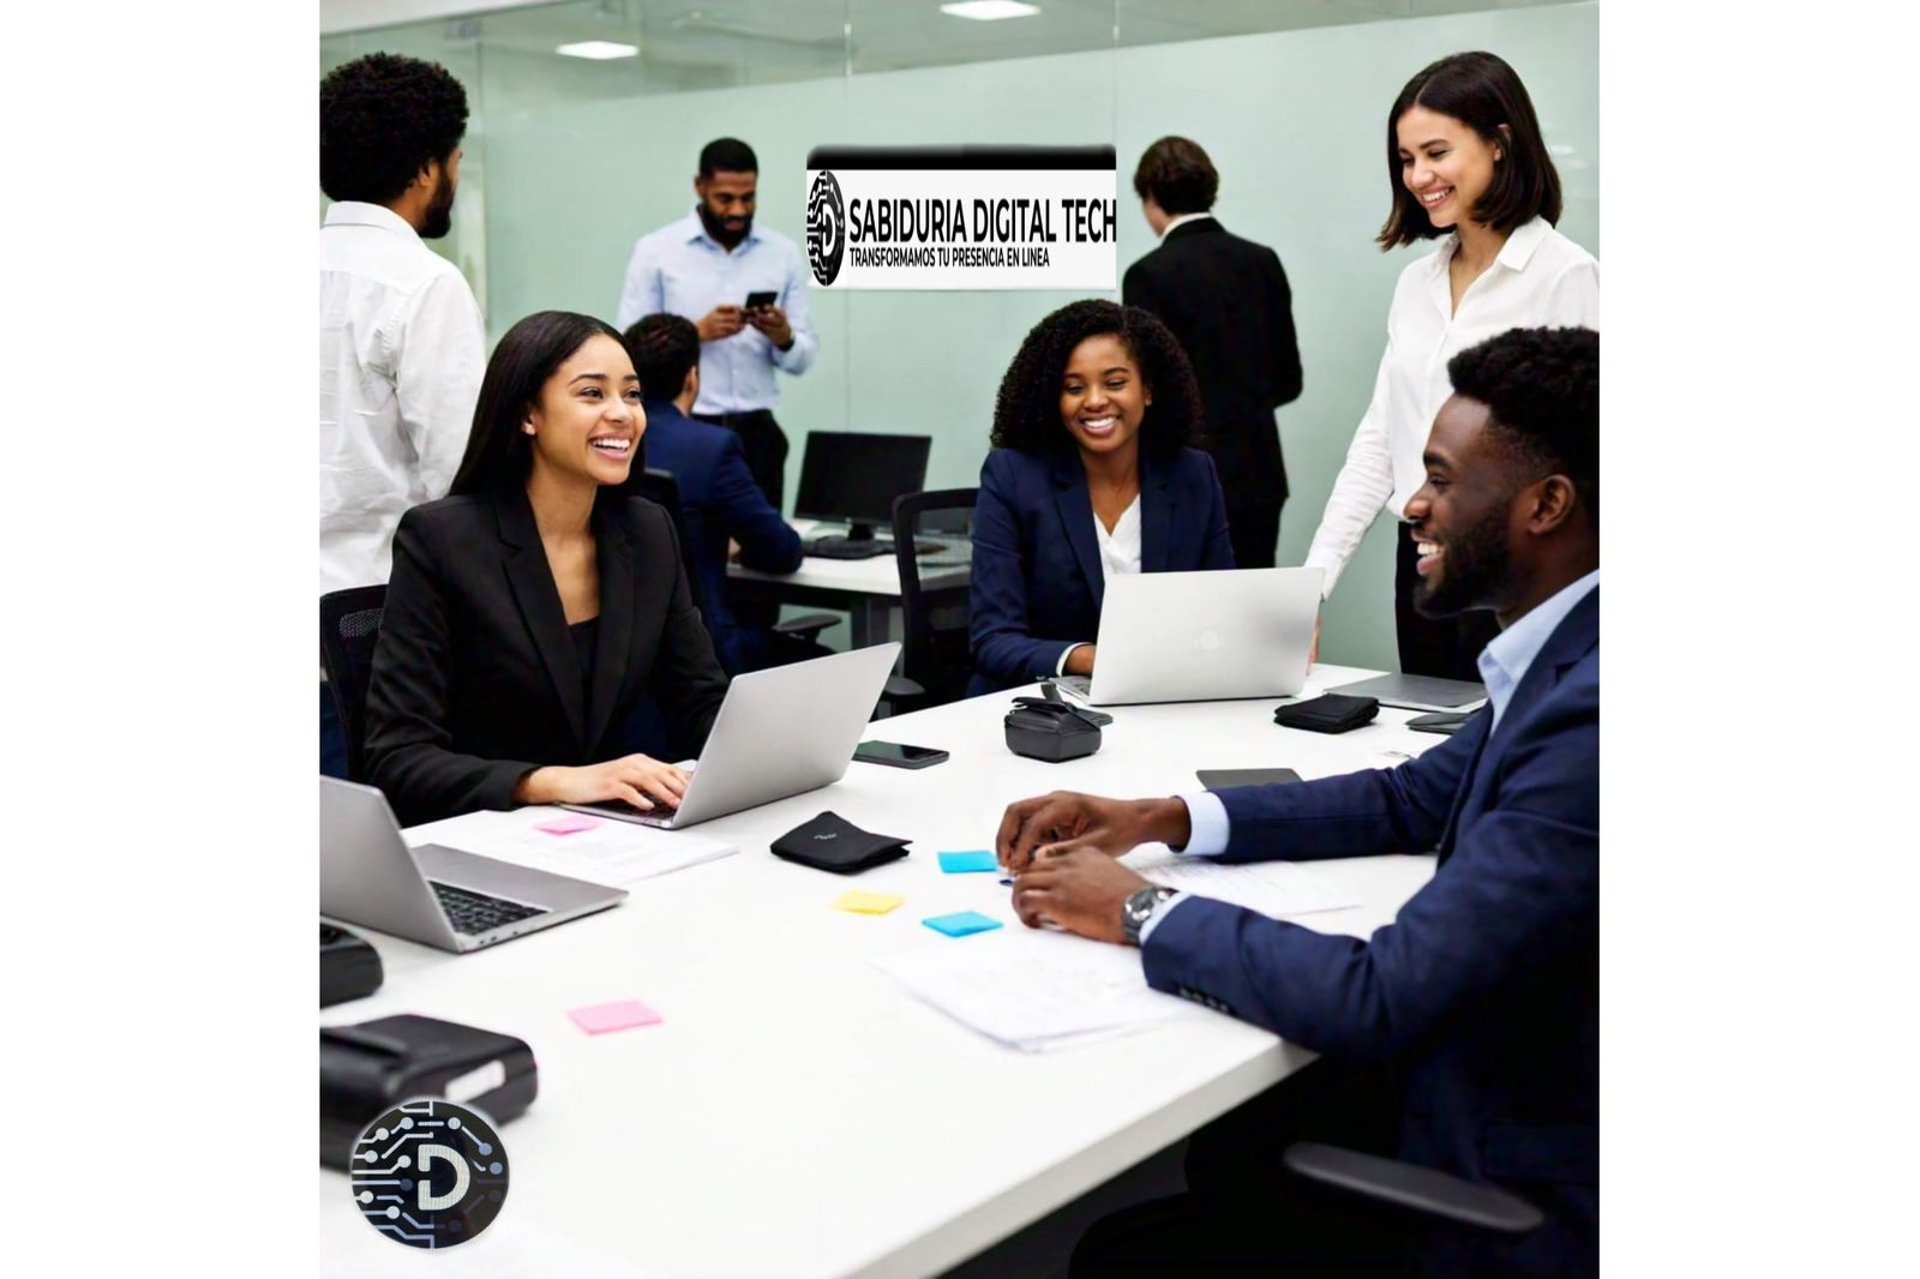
1090	475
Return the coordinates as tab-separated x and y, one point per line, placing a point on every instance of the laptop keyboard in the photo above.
472	913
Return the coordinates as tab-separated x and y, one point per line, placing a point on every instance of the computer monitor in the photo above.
854	476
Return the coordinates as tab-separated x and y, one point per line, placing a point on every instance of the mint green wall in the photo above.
1294	120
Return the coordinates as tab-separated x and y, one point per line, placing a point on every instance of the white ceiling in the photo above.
685	43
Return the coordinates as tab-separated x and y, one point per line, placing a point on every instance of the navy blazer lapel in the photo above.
1075	507
1158	503
1571	641
538	598
616	624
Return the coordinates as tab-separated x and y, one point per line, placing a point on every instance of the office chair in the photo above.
660	486
936	655
1423	1190
349	628
662	489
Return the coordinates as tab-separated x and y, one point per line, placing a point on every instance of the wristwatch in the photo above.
1139	909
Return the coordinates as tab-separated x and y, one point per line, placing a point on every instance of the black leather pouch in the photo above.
1329	713
1052	731
831	842
349	966
367	1069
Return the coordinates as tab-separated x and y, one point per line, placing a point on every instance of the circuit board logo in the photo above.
429	1173
826	227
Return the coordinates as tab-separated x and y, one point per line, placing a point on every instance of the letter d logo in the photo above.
430	1202
402	1158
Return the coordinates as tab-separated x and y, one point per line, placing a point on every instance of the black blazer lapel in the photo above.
1157	509
531	578
616	625
1075	507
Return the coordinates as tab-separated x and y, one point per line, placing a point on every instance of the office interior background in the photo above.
569	159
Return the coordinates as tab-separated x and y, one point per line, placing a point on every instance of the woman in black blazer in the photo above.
1090	475
531	610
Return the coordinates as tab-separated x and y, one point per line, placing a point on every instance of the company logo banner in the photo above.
962	218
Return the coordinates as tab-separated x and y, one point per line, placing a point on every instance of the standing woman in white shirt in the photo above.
1465	159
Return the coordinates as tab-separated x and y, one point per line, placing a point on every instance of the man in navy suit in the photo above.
1482	997
719	499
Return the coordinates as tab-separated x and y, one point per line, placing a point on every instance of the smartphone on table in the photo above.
899	755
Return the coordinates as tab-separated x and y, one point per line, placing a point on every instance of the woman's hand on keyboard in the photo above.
640	780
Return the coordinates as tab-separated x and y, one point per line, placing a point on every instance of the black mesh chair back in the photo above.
662	488
349	628
932	537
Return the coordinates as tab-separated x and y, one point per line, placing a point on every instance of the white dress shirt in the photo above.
1119	553
1503	664
1540	277
402	352
1182	220
681	270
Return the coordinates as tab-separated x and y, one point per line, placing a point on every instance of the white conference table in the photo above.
797	1112
868	590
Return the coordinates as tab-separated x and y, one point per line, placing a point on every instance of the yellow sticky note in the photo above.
867	903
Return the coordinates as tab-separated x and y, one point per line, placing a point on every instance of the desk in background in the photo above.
868	591
797	1112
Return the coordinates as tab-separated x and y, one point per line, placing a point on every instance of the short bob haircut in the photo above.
1482	92
1178	175
499	454
1027	414
383	118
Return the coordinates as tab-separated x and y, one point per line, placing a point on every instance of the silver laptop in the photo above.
438	896
780	732
1203	636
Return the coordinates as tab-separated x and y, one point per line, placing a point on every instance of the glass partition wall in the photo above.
570	158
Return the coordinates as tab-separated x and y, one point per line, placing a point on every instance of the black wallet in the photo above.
831	842
1329	713
366	1070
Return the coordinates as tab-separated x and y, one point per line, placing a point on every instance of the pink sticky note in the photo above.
571	824
621	1014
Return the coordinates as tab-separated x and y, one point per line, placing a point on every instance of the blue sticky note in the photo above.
963	863
961	924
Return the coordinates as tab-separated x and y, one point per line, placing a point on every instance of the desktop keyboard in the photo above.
833	546
471	913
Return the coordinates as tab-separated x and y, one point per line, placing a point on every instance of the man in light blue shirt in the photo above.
706	267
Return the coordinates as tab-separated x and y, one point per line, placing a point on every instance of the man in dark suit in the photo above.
1227	301
719	498
1482	997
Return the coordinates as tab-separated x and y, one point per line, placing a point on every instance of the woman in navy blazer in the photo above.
1090	474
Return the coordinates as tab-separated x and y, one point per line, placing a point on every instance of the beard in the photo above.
718	229
439	215
1472	568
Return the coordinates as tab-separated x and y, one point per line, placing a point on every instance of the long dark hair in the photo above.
1482	92
1027	414
499	454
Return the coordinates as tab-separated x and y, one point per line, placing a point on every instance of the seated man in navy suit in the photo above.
718	496
1090	474
1482	997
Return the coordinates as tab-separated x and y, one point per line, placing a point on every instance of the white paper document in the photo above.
1280	889
614	853
1035	990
